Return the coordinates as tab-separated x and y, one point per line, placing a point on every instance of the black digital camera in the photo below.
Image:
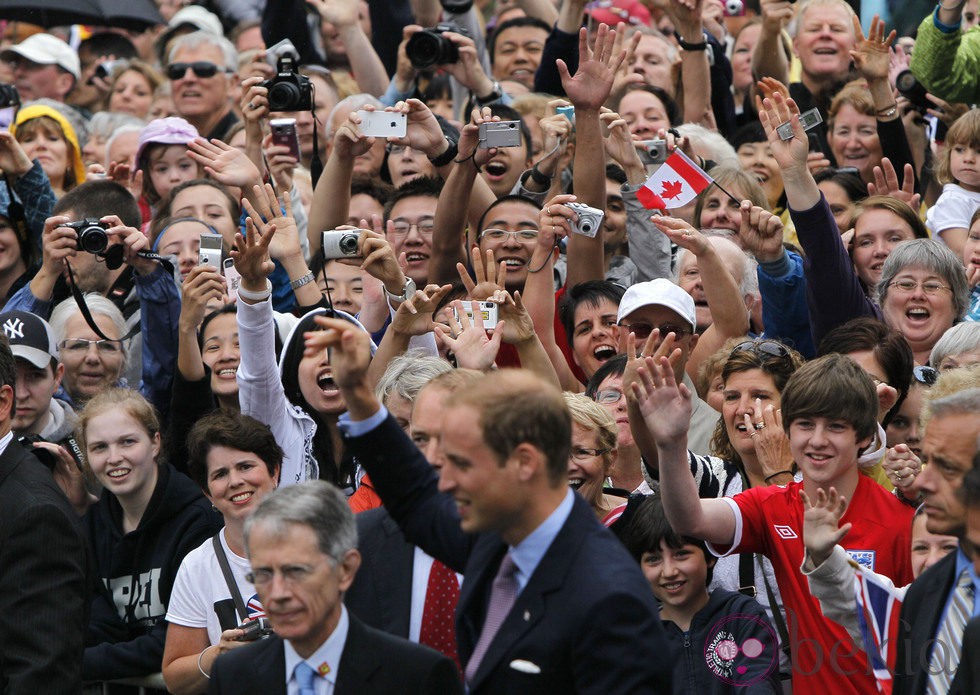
255	629
910	88
429	47
92	235
9	96
288	90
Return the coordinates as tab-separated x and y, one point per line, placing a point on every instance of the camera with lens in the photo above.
288	90
340	243
912	89
9	96
92	235
43	455
255	629
429	47
589	219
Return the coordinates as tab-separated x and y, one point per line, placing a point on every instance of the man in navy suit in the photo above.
550	601
301	543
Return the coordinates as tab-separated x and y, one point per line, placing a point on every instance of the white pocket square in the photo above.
525	666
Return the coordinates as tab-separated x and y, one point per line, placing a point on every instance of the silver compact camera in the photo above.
500	134
653	151
589	219
340	243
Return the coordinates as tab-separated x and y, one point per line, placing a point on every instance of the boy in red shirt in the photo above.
829	408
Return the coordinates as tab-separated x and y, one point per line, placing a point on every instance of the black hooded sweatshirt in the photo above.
136	574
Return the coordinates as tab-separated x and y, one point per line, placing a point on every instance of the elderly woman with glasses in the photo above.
594	450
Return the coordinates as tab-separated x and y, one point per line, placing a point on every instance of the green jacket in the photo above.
947	62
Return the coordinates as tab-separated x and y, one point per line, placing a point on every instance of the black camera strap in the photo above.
110	258
236	595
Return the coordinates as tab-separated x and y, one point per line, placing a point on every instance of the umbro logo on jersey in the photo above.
784	532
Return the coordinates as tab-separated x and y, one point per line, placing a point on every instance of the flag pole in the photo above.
733	198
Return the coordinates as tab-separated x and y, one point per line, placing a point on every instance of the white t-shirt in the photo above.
952	210
200	584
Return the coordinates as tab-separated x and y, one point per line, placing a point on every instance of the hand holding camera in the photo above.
13	160
469	146
288	90
202	285
422	131
254	103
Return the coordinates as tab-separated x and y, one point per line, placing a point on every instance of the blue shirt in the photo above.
962	563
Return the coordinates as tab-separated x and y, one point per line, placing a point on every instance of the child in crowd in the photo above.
162	158
959	171
724	640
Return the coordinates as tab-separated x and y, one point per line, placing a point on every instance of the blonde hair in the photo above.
130	402
593	417
964	131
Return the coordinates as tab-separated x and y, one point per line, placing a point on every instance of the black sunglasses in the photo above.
201	68
925	375
767	347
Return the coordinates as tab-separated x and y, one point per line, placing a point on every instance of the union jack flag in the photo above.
878	609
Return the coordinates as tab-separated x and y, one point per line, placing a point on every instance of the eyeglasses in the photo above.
77	345
201	68
291	574
769	348
909	286
581	453
642	331
392	148
402	227
608	396
925	375
502	234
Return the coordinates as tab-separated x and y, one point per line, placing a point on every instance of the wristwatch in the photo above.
493	96
446	157
406	293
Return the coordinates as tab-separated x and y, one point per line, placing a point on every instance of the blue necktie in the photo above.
305	674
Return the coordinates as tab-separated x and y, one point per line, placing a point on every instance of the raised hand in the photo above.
281	163
468	341
554	220
593	80
414	316
268	216
251	256
791	155
626	77
871	53
225	164
682	234
489	275
517	324
901	465
619	143
770	441
255	101
340	13
761	233
422	132
664	404
379	260
468	147
886	183
13	160
820	523
654	347
133	241
202	285
350	350
348	142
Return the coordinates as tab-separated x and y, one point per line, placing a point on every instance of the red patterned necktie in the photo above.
439	612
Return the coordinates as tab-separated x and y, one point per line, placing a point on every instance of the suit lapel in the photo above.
358	662
547	578
9	459
269	667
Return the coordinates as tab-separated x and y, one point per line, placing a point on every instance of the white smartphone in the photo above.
232	278
210	251
383	124
284	133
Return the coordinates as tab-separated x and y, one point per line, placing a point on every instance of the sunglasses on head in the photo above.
768	348
925	375
201	68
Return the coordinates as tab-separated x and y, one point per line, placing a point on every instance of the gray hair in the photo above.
930	255
793	27
966	402
104	123
406	374
749	283
710	144
196	39
121	130
351	104
97	304
963	337
314	503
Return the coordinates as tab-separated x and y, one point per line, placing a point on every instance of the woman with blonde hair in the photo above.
593	453
47	136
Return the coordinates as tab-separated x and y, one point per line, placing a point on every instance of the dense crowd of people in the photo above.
491	346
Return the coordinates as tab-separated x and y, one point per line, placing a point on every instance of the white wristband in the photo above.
256	296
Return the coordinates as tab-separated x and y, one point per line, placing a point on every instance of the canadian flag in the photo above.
674	184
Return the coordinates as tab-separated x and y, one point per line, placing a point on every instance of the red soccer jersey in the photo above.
769	520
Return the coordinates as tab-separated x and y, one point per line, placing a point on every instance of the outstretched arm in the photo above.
666	408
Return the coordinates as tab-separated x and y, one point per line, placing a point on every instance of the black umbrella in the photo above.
125	14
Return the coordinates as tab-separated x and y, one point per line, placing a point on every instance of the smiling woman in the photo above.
137	545
235	459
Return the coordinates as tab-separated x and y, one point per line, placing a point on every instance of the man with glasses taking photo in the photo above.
201	71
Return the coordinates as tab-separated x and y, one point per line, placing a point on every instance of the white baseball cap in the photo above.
45	49
660	292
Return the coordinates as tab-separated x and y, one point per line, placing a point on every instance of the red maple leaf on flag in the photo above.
672	189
